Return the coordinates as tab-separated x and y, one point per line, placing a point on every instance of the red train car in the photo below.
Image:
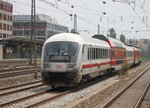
129	55
137	56
117	52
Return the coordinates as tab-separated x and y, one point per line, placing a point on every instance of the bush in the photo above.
124	69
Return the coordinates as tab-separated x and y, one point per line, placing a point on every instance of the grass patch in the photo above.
124	70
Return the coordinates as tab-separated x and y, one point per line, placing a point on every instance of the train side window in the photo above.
103	53
88	53
98	53
113	53
92	53
106	53
83	49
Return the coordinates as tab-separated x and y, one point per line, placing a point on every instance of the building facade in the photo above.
5	23
45	26
5	19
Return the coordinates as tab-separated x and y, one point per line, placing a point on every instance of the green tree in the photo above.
73	31
122	38
111	33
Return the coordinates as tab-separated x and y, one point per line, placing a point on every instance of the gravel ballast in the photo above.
92	96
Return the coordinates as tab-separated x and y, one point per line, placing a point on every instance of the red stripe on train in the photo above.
94	65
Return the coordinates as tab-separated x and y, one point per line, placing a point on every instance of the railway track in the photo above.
8	88
19	72
127	98
51	98
20	90
17	68
9	69
69	91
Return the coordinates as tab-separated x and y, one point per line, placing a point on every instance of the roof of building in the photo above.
38	18
1	1
20	39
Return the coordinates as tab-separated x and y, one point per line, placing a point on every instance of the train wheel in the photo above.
85	78
53	87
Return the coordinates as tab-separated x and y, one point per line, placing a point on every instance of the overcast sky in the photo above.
133	20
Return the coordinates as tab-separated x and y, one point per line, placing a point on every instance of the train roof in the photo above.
129	48
77	38
112	42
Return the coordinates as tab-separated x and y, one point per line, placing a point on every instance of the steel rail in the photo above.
49	99
69	91
106	105
142	96
7	88
17	73
16	69
22	99
52	98
20	90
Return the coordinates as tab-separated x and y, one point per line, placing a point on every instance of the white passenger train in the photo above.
68	59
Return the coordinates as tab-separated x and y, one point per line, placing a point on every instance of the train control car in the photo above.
117	52
69	59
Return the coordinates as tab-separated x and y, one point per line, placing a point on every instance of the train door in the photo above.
86	59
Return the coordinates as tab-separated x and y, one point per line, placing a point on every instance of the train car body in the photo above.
129	58
137	56
117	52
68	59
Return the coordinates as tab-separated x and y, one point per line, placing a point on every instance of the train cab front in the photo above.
59	64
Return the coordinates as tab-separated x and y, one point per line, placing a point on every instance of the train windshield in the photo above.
61	48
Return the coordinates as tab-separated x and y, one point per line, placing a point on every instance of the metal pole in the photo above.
75	23
33	32
30	62
98	29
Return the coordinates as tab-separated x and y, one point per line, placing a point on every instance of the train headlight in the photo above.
47	65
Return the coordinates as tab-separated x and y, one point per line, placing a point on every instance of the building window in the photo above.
10	18
1	16
7	17
4	26
1	35
27	32
4	35
10	28
7	27
4	17
0	25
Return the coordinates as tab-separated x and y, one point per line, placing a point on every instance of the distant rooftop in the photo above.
39	17
4	2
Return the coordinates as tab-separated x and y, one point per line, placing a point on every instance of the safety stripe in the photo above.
94	65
